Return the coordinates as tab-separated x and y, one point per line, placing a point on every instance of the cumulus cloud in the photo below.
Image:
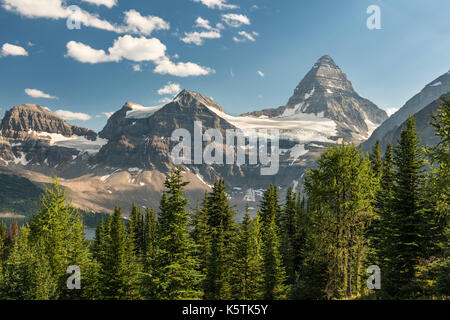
217	4
202	23
57	9
69	115
235	20
35	93
245	36
106	3
125	47
137	23
261	74
181	69
170	88
12	50
137	50
197	38
165	100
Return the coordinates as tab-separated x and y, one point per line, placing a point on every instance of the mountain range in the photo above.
127	161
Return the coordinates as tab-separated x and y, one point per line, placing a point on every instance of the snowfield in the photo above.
79	143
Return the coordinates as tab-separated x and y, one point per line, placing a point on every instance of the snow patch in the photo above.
140	112
79	143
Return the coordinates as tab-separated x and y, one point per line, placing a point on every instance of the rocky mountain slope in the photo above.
427	95
326	92
425	131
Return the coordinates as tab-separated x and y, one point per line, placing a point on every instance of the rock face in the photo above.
33	135
425	131
427	95
326	92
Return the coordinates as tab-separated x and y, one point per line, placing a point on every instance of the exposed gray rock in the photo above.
326	91
427	95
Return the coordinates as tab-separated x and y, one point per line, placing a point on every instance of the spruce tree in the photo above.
407	221
246	268
288	235
59	229
118	262
175	274
340	196
221	228
375	159
273	271
200	233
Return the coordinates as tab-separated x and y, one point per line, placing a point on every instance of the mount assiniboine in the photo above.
127	161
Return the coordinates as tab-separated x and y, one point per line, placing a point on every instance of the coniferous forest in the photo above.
388	209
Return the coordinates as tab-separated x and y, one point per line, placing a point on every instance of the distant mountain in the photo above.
326	92
425	131
427	95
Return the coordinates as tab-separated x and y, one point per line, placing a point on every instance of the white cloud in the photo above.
125	47
245	36
137	23
85	54
202	23
391	111
235	20
106	3
35	93
137	68
261	74
69	115
170	88
181	69
197	38
165	100
12	50
217	4
137	50
57	9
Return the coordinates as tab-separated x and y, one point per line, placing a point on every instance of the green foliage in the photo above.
174	268
221	228
114	250
246	265
340	195
273	273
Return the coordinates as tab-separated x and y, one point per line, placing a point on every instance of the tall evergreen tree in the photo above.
407	221
288	235
375	159
59	229
273	273
437	197
118	263
246	268
136	230
340	195
200	233
175	274
221	228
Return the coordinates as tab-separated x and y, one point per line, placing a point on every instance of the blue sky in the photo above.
152	43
